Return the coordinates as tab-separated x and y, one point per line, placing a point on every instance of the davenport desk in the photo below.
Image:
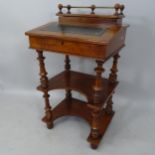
99	37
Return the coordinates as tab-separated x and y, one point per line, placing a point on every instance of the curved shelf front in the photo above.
82	83
72	107
75	107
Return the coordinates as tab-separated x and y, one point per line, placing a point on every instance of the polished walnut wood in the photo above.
98	47
68	17
99	37
118	8
98	87
44	85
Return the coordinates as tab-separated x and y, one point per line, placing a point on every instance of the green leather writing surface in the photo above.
55	27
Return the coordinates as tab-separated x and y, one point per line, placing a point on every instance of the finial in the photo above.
60	6
122	7
93	7
117	7
69	8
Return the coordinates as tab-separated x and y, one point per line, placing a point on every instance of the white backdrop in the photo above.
19	68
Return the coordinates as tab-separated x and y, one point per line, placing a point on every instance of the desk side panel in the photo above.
117	42
68	47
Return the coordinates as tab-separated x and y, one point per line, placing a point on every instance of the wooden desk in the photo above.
99	37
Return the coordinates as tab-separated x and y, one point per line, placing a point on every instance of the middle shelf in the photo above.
82	83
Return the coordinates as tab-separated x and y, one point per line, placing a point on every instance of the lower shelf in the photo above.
75	107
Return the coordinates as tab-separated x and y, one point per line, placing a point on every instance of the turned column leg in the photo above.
44	84
112	79
98	86
67	69
114	69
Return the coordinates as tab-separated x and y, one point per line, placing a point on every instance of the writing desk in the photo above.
99	37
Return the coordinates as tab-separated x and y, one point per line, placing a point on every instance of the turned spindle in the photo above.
67	69
67	63
44	84
114	69
98	81
98	86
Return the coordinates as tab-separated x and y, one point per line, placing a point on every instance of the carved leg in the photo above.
114	69
98	86
44	84
112	79
67	69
